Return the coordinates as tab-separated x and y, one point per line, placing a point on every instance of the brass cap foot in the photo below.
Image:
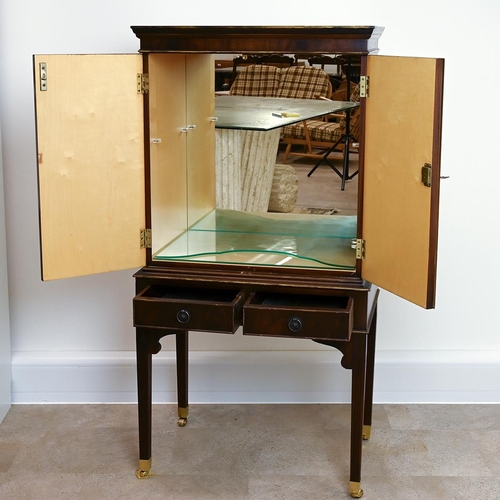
355	489
367	432
183	415
183	412
144	470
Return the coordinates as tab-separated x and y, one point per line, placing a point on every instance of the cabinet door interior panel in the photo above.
201	139
168	121
399	212
90	163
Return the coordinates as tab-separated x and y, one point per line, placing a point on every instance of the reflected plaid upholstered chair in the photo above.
304	82
258	80
296	82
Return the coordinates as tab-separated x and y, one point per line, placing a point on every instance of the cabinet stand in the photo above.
358	356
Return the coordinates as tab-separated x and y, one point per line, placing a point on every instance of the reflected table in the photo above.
247	136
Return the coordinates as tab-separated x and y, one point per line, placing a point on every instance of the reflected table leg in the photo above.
245	161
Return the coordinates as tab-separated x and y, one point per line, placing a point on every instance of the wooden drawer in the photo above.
191	309
311	317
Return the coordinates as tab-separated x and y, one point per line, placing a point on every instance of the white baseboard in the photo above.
257	377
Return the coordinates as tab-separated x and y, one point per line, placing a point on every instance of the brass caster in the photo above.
144	470
183	416
142	474
355	490
367	431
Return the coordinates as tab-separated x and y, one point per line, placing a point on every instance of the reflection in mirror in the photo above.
277	202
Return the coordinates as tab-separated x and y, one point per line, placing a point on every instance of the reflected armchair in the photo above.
258	80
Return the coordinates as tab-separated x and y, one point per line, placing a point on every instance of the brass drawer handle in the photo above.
183	316
295	324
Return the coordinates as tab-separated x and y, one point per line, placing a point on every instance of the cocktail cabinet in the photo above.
129	153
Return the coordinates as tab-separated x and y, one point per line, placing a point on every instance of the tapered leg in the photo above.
370	367
182	350
144	395
359	349
147	344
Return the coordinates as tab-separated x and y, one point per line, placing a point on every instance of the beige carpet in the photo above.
243	452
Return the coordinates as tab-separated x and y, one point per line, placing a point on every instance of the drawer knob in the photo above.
183	316
295	324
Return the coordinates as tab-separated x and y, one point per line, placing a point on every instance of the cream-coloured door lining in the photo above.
399	138
90	164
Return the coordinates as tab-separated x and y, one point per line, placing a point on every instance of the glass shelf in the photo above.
267	239
266	113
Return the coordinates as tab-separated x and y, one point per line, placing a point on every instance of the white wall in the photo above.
5	355
451	353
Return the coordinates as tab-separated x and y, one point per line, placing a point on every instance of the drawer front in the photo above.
327	318
189	309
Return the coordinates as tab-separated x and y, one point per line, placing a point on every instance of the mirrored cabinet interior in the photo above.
143	165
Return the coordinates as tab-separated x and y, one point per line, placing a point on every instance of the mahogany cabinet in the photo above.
126	169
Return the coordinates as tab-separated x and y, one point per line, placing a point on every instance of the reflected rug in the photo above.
316	211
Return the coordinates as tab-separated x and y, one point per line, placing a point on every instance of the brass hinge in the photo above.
142	83
43	76
364	86
426	174
146	238
359	245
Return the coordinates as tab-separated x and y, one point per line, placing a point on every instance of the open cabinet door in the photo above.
400	211
90	142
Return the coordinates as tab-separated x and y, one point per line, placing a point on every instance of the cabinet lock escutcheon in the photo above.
426	174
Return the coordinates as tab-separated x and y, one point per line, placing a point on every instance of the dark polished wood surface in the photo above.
254	39
436	174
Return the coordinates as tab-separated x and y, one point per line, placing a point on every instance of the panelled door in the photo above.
402	144
90	142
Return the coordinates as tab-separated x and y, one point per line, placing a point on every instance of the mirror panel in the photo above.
237	203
